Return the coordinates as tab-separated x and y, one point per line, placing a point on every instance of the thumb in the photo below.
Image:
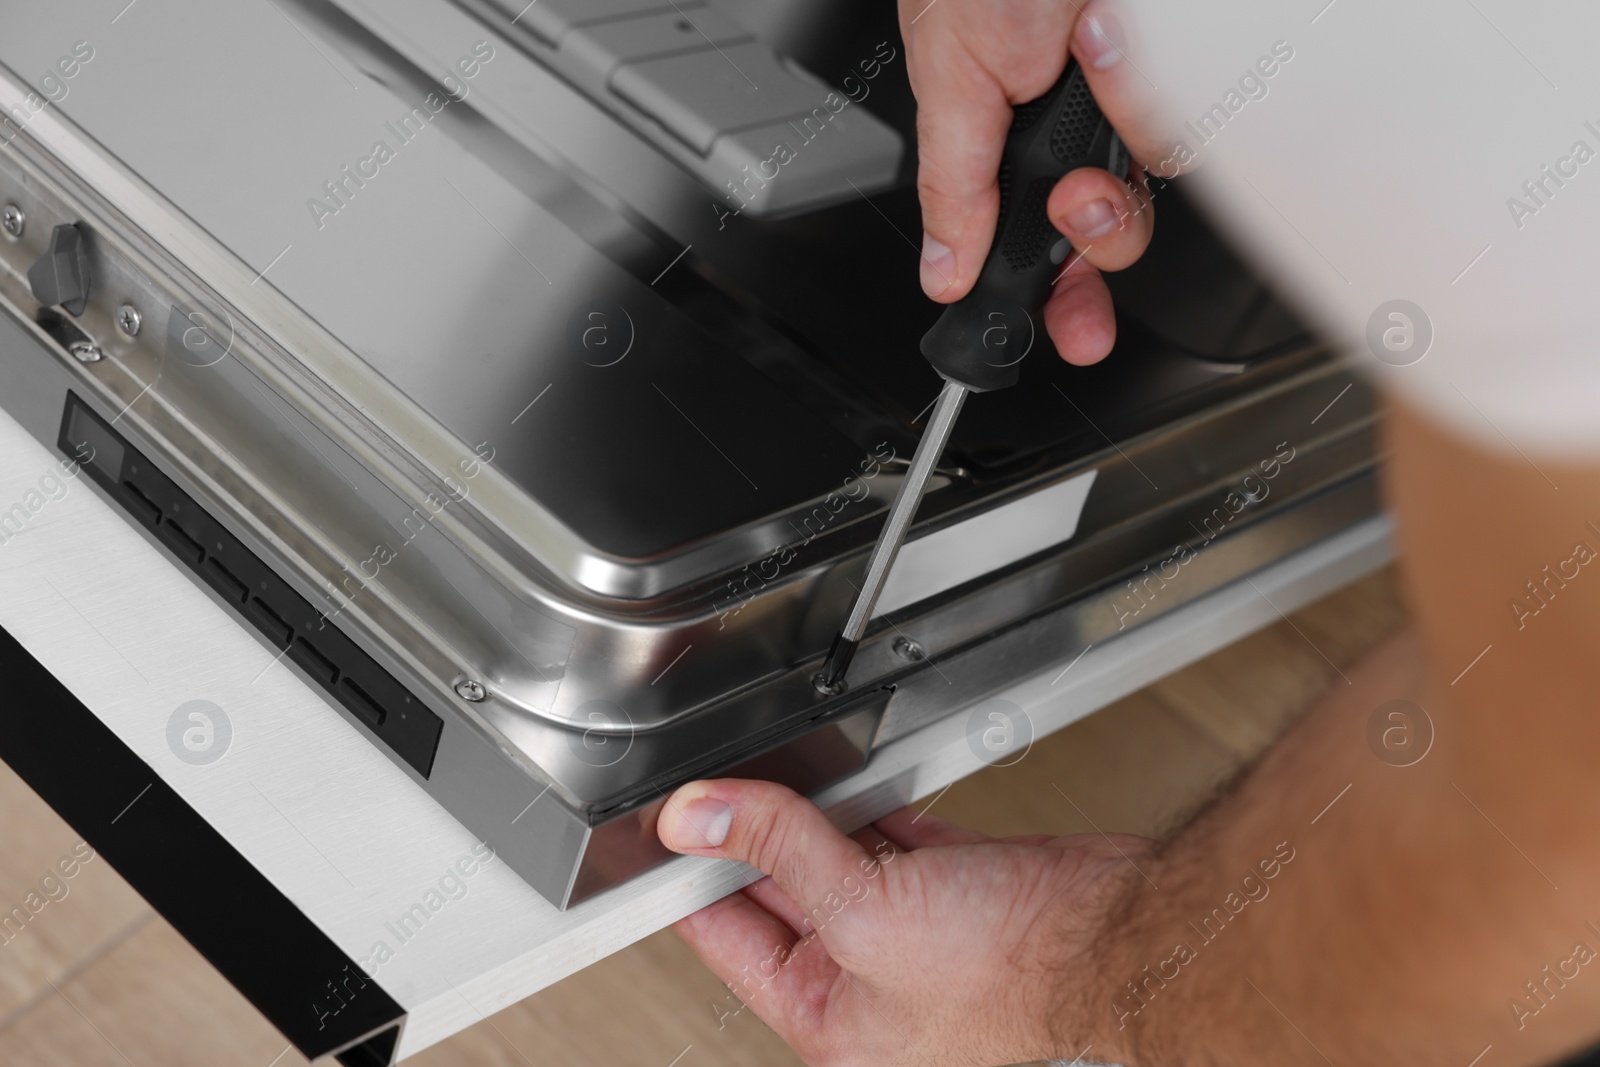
767	826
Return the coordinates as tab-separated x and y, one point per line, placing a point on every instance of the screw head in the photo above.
820	683
472	691
129	320
908	649
13	220
85	352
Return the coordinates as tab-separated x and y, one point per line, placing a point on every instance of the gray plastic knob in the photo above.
61	276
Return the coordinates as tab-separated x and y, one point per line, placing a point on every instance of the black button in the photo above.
277	631
183	546
356	699
315	663
142	507
224	582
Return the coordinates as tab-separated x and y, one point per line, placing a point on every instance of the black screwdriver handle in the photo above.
980	339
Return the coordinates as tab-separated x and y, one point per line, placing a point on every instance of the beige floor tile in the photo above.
1134	767
54	1035
151	1001
1352	622
1248	693
49	922
639	1008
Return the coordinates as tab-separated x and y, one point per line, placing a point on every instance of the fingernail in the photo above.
703	823
938	266
1094	219
1100	40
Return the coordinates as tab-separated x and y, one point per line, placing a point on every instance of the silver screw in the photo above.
12	218
85	352
908	649
472	691
819	682
129	320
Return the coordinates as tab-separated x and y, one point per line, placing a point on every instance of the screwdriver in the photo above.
979	341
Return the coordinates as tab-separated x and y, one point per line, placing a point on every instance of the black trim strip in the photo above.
284	617
317	996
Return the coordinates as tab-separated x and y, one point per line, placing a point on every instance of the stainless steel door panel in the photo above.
459	289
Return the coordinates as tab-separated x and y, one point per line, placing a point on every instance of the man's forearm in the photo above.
1354	899
1243	938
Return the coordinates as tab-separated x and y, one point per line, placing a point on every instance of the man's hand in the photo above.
913	942
1439	909
969	63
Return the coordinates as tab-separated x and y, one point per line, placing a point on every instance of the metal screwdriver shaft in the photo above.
901	512
979	340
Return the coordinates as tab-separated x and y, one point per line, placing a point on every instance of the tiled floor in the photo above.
96	978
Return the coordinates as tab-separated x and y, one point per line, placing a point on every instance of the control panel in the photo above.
251	588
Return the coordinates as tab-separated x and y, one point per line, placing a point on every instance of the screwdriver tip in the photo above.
830	680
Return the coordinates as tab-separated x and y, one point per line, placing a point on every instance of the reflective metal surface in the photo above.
523	406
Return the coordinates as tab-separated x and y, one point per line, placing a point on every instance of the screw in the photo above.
821	684
85	351
471	691
908	649
129	320
12	218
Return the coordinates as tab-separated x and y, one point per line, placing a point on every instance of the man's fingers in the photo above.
773	972
1109	221
910	828
1079	315
767	826
1124	92
872	839
770	896
968	65
962	119
1126	845
766	893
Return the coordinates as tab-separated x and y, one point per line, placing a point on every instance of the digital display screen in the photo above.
90	443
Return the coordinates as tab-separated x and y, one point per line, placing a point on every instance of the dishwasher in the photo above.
535	378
